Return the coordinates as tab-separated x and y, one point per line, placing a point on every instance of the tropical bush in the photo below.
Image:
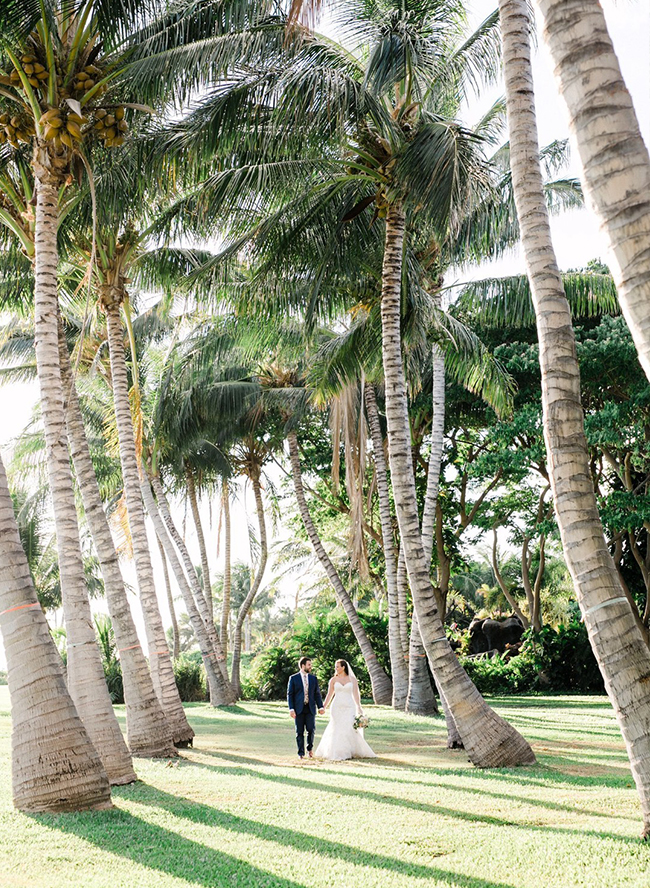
190	678
325	638
3	678
552	660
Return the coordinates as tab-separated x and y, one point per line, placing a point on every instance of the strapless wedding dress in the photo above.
340	741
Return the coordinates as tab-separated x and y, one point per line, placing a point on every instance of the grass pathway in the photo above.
240	811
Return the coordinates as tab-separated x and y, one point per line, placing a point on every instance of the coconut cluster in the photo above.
15	129
60	124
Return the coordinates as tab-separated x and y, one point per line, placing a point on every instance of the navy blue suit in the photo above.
305	713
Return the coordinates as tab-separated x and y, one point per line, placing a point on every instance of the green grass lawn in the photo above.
239	810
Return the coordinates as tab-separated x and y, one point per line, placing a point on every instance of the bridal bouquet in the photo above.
361	721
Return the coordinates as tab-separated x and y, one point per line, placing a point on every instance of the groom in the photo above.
303	696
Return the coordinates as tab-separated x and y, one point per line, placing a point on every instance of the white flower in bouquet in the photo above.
361	721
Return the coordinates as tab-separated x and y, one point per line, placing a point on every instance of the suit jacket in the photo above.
296	694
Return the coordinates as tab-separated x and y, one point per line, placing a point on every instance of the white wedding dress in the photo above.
340	741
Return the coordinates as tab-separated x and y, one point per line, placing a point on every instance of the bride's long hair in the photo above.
344	664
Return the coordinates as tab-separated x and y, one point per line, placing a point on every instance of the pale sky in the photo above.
576	235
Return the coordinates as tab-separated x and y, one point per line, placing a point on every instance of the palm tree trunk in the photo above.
147	731
176	649
205	566
86	680
254	589
421	698
622	655
614	158
227	568
382	690
54	765
162	671
488	739
219	688
402	603
398	663
224	695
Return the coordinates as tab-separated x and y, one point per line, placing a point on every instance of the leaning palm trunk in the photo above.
223	691
205	566
227	568
85	672
398	664
615	159
382	690
147	731
421	698
219	688
54	765
162	671
254	589
622	655
488	739
176	643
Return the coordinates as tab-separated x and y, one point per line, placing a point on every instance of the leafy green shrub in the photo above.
494	675
113	676
3	678
325	638
269	675
551	660
190	679
566	658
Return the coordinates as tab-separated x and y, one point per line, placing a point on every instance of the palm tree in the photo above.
615	162
205	565
204	629
622	654
148	733
55	767
399	669
61	65
227	566
382	691
250	460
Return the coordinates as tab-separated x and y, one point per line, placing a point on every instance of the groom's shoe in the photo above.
311	753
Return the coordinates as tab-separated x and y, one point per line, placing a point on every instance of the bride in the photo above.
340	740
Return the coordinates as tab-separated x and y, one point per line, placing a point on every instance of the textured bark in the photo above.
223	695
219	688
54	765
382	690
227	569
176	641
254	589
162	671
86	681
147	731
402	603
615	159
398	662
622	655
205	566
488	739
421	698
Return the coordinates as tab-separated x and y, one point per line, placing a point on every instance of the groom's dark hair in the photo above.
302	661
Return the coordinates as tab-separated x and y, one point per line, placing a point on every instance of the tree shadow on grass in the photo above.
538	775
210	816
424	807
121	833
